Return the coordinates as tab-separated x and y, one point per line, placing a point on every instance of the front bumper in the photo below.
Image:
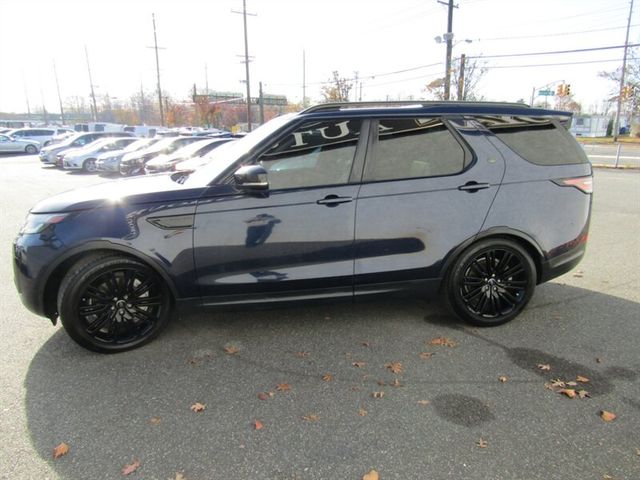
111	166
71	164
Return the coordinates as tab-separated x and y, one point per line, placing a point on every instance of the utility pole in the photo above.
355	83
616	123
449	38
155	43
304	79
93	94
246	58
461	78
206	80
26	96
261	101
55	73
360	96
44	108
142	105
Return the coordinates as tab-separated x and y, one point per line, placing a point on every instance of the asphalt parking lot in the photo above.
338	390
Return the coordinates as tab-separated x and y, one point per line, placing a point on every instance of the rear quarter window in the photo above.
541	144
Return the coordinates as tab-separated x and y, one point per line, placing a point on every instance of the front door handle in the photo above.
333	200
473	186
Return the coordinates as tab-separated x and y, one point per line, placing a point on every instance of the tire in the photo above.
110	303
89	165
31	149
47	143
490	283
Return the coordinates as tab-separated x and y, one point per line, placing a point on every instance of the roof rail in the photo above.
326	107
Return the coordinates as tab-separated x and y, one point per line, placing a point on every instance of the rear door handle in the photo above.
473	186
333	200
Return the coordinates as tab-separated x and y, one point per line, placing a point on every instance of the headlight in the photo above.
36	222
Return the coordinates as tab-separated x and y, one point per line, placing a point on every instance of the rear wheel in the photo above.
31	149
491	282
111	303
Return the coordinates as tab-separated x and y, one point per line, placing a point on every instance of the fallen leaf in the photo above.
231	349
572	384
426	355
180	476
155	420
311	417
482	443
548	386
257	425
198	407
503	379
381	383
301	354
60	450
131	467
362	412
598	360
358	364
556	317
638	451
327	377
556	382
579	274
582	379
283	387
372	475
607	416
365	344
377	394
583	394
396	383
442	341
569	392
356	389
264	396
423	402
544	367
394	367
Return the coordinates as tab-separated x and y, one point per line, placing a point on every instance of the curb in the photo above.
613	167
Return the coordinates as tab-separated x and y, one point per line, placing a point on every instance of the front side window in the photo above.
316	153
414	148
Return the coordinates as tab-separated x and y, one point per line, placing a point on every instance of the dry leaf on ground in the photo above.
395	367
582	379
301	354
257	425
583	394
545	367
198	407
482	443
180	476
231	349
362	412
607	416
358	364
377	394
131	467
569	392
426	355
283	387
423	402
372	475
155	420
556	382
502	378
60	450
442	341
327	377
396	383
365	344
264	396
311	417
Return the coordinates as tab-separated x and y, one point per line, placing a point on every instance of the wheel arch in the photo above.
60	269
521	238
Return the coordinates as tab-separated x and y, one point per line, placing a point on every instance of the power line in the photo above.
556	34
579	50
490	67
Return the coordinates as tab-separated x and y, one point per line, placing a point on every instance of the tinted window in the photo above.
317	153
413	148
541	143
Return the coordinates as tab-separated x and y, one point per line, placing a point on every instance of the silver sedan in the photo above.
12	144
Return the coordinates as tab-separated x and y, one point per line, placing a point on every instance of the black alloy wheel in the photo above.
113	303
491	282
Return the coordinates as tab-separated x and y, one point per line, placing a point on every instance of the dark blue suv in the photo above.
476	201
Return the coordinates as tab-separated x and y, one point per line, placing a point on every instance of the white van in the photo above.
42	135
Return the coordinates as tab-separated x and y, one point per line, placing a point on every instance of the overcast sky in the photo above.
372	37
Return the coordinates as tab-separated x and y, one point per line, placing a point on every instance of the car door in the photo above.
297	239
7	144
427	186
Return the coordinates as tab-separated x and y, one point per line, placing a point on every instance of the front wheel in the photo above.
31	149
491	282
89	165
111	303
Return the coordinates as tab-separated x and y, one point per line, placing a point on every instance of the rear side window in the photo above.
541	143
414	148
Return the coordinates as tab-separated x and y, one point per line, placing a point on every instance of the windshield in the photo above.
138	144
223	158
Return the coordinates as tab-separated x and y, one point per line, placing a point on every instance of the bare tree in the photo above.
338	90
631	101
474	70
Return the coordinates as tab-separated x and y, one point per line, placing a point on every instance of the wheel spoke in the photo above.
146	301
97	294
515	270
95	309
99	322
470	296
503	264
142	288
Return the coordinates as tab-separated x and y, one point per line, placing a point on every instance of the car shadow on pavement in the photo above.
310	374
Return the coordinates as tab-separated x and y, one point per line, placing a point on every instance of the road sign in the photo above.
545	93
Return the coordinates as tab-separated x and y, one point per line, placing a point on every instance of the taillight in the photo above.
584	184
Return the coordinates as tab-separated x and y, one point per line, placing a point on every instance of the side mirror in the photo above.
251	177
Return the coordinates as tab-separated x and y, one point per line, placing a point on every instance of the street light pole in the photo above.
616	123
155	43
449	39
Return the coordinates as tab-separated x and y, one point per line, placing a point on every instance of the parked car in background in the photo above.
48	155
44	136
98	127
134	163
109	162
167	162
144	130
14	144
59	137
194	163
85	158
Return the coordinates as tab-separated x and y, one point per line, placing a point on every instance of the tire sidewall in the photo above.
456	272
73	288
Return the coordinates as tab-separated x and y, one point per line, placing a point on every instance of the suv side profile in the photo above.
479	202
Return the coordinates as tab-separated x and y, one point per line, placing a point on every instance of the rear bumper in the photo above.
565	261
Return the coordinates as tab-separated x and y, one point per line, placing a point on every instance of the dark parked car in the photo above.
477	201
